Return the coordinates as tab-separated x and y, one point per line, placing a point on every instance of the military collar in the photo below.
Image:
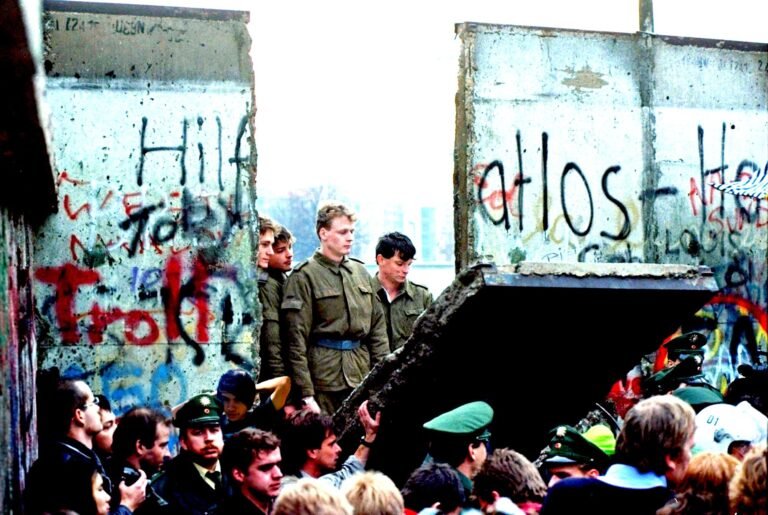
277	275
406	289
327	263
263	275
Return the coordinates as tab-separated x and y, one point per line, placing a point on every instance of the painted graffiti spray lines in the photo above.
140	326
492	200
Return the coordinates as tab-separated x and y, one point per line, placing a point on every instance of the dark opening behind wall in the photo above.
541	343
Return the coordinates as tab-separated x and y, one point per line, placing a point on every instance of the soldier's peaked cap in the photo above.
200	410
685	343
567	445
467	419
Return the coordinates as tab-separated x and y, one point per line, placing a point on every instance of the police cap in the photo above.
200	410
685	345
567	446
468	419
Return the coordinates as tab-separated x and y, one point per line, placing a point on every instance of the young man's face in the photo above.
90	412
233	409
103	439
336	240
679	464
282	257
153	458
327	456
266	239
205	443
394	269
564	471
262	479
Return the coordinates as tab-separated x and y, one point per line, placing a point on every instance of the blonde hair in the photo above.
749	485
704	488
310	496
373	493
267	224
328	212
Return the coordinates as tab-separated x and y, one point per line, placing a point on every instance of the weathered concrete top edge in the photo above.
750	46
146	10
608	270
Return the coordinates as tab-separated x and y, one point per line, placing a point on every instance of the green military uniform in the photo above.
271	286
334	329
403	310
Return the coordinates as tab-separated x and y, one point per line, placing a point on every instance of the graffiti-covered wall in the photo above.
144	281
592	147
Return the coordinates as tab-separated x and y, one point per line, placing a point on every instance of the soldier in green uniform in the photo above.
334	328
269	337
402	300
460	438
271	288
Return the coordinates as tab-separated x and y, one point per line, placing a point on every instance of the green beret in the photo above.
200	410
568	446
464	420
699	397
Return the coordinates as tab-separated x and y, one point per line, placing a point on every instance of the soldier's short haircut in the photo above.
511	475
138	424
245	446
431	483
267	224
304	430
283	235
328	212
653	429
395	242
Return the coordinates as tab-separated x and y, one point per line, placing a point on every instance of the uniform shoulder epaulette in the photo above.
300	265
357	260
419	285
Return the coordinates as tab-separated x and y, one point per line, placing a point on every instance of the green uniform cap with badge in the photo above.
688	344
568	446
467	419
201	410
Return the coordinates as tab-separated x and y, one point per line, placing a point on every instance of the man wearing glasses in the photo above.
460	438
74	420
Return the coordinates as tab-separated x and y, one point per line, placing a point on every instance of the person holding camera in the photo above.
139	444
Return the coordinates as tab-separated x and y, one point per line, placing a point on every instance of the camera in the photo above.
130	476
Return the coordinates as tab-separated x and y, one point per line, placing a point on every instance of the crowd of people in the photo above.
269	446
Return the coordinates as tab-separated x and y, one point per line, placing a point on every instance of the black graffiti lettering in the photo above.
568	168
140	217
182	149
520	180
626	227
582	258
495	165
164	230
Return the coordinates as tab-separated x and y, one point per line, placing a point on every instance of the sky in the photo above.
361	94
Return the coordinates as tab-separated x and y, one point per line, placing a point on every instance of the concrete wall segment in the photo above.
145	280
577	147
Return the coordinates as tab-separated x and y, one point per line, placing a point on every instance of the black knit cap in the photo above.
239	383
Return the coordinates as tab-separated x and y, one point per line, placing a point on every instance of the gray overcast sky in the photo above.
360	93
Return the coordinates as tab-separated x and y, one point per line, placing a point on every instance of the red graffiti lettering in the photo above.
67	278
74	214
